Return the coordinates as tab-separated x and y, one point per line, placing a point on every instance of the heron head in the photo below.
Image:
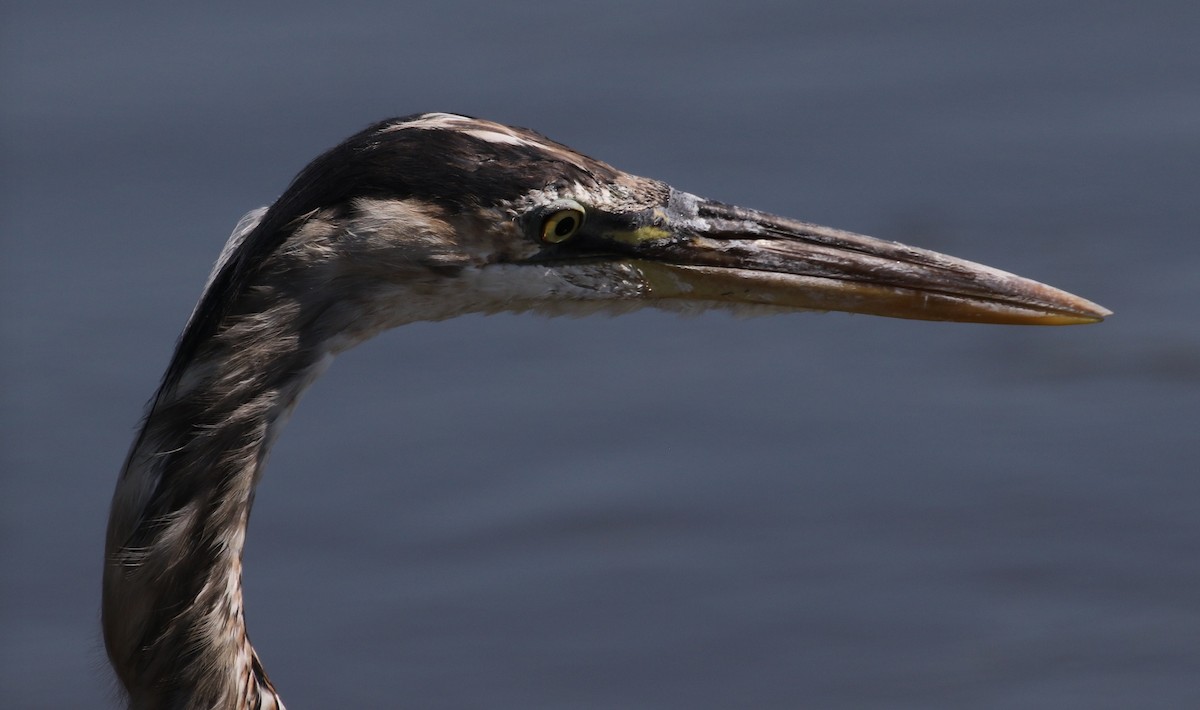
435	215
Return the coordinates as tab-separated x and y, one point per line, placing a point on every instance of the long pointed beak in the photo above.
704	250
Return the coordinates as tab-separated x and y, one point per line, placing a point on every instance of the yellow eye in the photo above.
562	224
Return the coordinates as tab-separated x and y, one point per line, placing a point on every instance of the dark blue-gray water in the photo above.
804	511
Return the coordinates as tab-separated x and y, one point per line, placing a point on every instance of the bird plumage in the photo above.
424	218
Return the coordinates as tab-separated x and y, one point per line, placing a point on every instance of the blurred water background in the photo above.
803	511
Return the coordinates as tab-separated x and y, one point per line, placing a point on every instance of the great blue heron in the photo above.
423	218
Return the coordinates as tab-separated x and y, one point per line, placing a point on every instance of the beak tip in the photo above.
1082	311
1101	314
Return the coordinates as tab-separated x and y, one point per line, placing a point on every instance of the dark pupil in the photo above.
564	226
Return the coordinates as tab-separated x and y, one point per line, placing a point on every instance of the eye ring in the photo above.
562	223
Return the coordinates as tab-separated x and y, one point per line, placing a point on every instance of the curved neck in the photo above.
172	598
172	608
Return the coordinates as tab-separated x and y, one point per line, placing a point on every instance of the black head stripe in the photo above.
456	163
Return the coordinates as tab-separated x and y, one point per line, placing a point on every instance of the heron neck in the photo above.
172	609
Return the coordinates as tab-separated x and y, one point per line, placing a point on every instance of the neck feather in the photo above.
172	609
172	596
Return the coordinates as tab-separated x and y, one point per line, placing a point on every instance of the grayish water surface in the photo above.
806	511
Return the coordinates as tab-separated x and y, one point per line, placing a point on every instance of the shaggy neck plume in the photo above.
172	611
